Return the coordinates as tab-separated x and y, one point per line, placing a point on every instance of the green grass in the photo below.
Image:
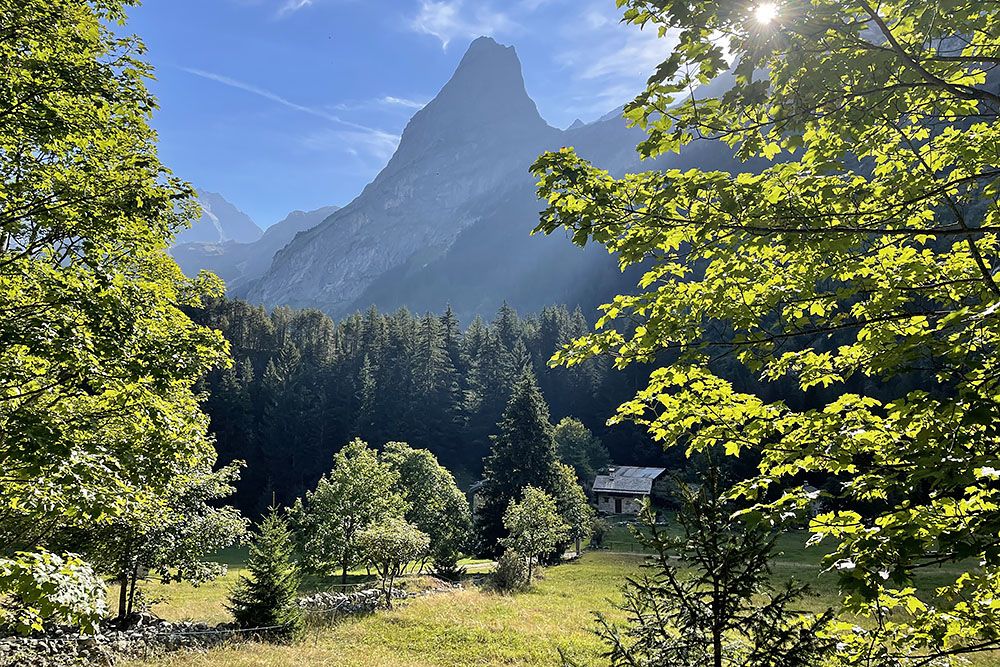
469	627
207	602
472	626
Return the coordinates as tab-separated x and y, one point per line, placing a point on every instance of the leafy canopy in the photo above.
437	507
97	359
859	259
534	526
356	493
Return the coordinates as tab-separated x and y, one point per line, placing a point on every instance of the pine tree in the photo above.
439	386
265	596
711	600
367	396
451	330
523	454
508	326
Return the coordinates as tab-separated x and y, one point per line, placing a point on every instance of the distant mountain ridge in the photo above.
448	220
240	263
220	222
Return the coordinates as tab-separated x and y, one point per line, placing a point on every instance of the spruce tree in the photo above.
523	454
710	599
265	596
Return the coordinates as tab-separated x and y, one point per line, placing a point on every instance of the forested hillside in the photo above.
304	385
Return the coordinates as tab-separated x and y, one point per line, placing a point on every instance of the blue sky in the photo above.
296	104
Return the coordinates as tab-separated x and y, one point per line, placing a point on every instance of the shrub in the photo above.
45	588
599	530
267	597
511	573
450	571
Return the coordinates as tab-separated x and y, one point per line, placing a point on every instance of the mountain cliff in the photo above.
241	263
468	147
448	220
220	222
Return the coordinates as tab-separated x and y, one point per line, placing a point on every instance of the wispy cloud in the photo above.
355	136
384	103
375	145
274	97
448	20
391	101
290	6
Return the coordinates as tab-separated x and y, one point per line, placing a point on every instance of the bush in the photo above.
267	597
511	573
46	588
389	546
450	571
599	529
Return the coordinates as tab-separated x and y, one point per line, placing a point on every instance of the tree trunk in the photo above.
717	625
131	589
531	568
343	575
123	596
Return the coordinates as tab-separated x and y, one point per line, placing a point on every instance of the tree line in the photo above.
302	386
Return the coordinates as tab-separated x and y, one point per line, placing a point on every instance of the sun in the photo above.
765	12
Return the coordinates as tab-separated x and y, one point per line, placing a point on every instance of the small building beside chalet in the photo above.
623	489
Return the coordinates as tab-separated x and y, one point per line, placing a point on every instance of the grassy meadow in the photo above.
466	627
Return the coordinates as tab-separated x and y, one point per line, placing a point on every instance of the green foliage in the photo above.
174	538
581	449
386	377
710	601
42	588
573	507
357	492
859	267
534	526
437	506
265	597
388	546
98	417
511	573
523	455
599	531
97	358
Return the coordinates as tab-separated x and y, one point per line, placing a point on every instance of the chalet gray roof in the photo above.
628	480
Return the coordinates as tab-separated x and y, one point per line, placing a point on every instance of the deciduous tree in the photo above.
357	492
534	526
389	545
859	259
97	358
436	506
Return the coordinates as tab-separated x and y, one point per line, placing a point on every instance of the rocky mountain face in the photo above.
220	222
241	263
467	149
448	220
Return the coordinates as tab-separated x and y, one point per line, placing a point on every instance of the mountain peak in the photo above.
220	221
487	51
484	101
